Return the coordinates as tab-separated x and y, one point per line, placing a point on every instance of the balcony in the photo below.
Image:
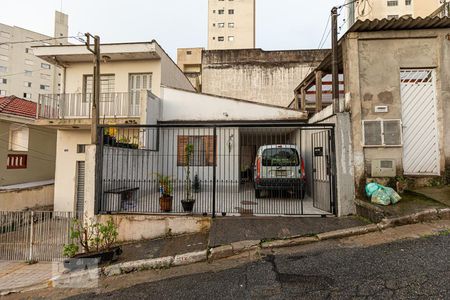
79	105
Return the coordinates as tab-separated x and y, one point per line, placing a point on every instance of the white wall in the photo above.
186	106
65	173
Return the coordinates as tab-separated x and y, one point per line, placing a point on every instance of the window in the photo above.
231	11
29	62
188	52
3	80
4	34
231	38
28	73
18	137
203	150
29	50
3	69
45	76
2	93
390	17
408	2
4	58
27	84
45	66
221	11
221	39
392	3
107	83
16	161
230	25
81	148
221	25
382	133
27	95
278	157
45	87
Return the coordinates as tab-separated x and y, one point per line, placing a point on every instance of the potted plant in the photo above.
97	243
188	202
166	189
196	184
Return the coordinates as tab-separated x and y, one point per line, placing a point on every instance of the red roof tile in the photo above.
18	107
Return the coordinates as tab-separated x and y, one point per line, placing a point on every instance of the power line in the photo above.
14	74
29	149
42	40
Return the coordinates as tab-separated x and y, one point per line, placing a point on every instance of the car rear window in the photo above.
277	157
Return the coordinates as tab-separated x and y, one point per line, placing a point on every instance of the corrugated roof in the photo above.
18	107
400	24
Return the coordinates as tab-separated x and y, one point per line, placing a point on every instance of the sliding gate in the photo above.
224	170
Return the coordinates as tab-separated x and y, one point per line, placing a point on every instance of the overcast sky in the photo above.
280	24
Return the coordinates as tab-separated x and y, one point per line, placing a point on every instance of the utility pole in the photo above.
334	59
96	85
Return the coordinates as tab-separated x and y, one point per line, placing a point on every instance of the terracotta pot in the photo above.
165	203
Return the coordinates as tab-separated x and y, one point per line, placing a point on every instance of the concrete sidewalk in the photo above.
440	194
229	230
16	276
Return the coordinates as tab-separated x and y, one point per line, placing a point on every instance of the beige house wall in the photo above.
40	155
66	160
33	197
374	79
244	19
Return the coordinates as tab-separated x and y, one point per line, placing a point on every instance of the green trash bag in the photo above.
372	188
392	195
381	197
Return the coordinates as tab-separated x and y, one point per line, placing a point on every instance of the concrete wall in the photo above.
20	199
244	19
374	79
141	227
40	155
262	76
201	107
65	173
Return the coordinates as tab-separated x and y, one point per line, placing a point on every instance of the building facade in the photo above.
256	75
390	9
189	60
231	24
22	74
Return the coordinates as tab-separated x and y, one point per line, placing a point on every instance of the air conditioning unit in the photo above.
383	168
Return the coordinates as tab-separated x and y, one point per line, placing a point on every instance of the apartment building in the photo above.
390	9
231	24
22	74
189	60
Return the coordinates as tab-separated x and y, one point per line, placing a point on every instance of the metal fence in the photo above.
225	170
34	236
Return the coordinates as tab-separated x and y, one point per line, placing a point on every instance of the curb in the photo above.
251	246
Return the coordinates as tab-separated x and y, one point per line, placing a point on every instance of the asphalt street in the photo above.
412	269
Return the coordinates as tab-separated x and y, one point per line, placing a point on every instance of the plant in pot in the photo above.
97	244
188	202
166	189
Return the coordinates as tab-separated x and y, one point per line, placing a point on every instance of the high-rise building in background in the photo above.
22	74
390	9
231	24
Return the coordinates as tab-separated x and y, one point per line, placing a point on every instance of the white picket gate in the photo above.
34	236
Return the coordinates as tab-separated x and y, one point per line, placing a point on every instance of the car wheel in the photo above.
257	193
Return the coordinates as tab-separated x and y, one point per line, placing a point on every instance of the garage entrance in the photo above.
228	169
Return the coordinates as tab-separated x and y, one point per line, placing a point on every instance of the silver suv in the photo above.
278	168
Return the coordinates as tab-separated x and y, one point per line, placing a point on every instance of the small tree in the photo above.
189	149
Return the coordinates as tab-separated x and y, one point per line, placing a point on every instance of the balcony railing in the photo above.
79	105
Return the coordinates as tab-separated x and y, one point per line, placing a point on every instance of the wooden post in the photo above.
303	95
318	91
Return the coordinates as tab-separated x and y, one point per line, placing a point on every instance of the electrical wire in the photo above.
14	74
78	38
29	149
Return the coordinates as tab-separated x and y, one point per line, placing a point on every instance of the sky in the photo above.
280	24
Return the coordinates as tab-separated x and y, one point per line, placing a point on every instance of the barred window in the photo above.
382	133
203	150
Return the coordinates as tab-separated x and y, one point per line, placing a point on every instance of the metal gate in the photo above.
322	170
29	235
227	172
419	118
80	186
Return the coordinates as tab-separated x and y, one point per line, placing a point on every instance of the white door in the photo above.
137	83
419	118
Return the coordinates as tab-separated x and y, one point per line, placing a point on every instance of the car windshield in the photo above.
277	157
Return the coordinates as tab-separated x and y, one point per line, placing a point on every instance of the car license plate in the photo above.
280	173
